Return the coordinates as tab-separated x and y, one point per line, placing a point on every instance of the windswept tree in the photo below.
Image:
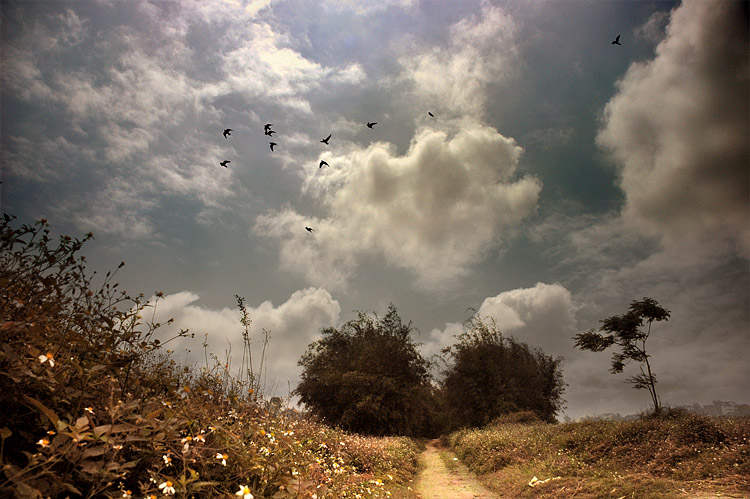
367	377
490	375
627	331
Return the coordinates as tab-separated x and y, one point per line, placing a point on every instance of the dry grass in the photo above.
93	405
676	455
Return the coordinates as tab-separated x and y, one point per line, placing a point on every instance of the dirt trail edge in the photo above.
436	481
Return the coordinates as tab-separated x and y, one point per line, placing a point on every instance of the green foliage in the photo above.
367	377
93	405
491	375
625	331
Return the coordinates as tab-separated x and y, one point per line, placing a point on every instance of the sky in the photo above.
559	178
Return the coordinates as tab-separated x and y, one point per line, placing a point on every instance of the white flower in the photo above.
244	492
47	358
43	442
168	489
223	458
167	460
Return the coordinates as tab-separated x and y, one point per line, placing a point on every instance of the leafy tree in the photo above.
626	332
367	377
491	375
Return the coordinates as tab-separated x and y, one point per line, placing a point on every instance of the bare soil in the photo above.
437	481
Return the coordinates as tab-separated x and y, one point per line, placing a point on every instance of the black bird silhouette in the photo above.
270	132
226	132
617	41
267	127
322	162
325	141
225	163
309	229
272	144
430	114
370	125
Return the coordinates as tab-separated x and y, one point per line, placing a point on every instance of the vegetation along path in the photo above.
438	480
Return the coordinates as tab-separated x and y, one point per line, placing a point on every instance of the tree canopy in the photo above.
625	331
491	375
367	377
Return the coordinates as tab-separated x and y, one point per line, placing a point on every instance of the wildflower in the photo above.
127	493
168	489
89	409
117	447
150	496
244	492
47	357
43	442
223	458
200	438
51	432
167	460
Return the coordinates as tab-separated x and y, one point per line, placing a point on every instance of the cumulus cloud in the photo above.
480	51
543	316
292	326
435	210
678	130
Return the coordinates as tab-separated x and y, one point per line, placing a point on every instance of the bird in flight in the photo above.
617	41
325	141
309	229
270	132
267	127
272	144
430	114
370	125
322	163
225	163
226	132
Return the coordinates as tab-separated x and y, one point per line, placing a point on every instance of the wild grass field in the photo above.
93	404
677	454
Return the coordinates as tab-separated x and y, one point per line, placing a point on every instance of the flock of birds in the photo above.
269	132
370	124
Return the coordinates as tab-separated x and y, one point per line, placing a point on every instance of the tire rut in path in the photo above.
436	481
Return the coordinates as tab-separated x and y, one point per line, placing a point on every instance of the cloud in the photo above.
132	103
435	210
480	51
543	316
678	130
653	29
292	326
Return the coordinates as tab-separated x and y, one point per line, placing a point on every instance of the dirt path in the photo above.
436	481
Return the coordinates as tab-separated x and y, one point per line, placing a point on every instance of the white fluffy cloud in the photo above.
435	210
481	51
292	326
542	316
678	130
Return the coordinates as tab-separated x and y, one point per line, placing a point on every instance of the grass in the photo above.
93	405
674	455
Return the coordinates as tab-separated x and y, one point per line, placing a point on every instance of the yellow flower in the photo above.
244	492
47	358
168	489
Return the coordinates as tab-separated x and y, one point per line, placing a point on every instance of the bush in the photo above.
93	405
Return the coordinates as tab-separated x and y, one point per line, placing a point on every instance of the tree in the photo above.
367	377
626	332
491	375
